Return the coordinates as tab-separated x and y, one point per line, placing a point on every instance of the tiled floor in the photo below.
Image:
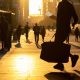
24	63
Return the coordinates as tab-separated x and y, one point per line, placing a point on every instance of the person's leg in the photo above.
42	38
26	37
77	38
18	38
59	66
74	59
37	39
60	37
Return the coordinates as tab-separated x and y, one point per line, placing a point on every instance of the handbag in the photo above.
54	52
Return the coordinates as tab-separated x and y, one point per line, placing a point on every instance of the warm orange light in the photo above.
23	64
35	7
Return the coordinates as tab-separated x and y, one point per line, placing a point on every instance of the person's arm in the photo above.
75	17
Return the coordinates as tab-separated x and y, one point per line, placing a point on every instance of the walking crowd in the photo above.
8	34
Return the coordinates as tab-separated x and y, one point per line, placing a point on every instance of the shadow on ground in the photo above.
62	76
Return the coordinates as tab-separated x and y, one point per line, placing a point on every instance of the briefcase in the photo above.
54	52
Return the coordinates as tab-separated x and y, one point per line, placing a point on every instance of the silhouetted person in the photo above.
76	32
65	12
9	37
18	33
42	32
27	28
14	35
36	30
4	32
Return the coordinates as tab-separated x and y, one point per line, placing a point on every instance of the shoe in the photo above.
59	67
74	59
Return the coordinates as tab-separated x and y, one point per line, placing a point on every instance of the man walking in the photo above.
65	12
36	30
27	31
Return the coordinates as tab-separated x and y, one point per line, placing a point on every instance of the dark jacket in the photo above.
36	30
65	12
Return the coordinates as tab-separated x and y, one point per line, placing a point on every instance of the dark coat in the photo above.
65	13
36	30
